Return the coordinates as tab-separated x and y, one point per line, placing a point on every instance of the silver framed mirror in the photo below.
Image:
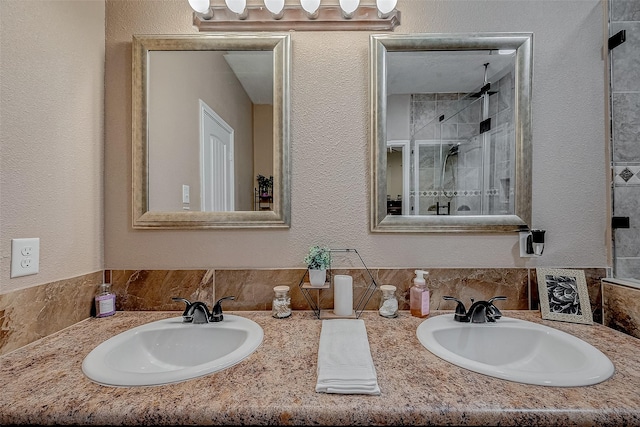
196	102
450	132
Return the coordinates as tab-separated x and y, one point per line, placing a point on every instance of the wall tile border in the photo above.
29	314
621	308
253	288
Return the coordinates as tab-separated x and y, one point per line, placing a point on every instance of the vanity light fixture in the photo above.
276	7
311	7
349	7
202	7
308	15
239	7
385	7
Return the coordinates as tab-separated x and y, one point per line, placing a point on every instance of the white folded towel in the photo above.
344	359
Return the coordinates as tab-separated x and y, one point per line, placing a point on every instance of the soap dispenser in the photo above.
419	295
105	301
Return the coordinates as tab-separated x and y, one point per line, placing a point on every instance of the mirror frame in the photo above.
279	217
379	45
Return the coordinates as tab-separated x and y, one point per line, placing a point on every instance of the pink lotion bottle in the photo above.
419	295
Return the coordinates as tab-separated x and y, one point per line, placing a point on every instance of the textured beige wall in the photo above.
330	156
51	136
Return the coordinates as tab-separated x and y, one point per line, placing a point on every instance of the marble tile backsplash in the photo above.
29	314
253	288
142	290
621	308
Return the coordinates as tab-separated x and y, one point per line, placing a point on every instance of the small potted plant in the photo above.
265	185
318	260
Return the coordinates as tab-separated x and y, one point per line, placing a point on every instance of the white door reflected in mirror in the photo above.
244	79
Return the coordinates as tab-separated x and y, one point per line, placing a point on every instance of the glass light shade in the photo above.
276	7
200	6
236	6
349	6
386	6
310	6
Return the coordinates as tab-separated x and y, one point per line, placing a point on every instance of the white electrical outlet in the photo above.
25	257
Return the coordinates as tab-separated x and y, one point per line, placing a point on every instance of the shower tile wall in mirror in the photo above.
451	132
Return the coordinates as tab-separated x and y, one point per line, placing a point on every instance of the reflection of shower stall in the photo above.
463	156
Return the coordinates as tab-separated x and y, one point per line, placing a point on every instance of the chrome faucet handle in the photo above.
186	317
493	311
461	311
478	312
199	313
196	312
216	312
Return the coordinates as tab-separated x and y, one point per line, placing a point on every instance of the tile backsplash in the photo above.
29	314
253	288
621	308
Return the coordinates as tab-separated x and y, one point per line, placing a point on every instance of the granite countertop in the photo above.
42	383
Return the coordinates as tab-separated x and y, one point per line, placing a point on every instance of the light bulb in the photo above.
348	7
385	7
203	8
239	7
200	6
276	7
311	7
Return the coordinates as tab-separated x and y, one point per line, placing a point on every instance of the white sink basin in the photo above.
516	350
169	351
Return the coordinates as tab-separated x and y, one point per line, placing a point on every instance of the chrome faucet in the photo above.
479	312
198	312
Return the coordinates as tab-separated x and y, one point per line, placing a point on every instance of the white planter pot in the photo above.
317	277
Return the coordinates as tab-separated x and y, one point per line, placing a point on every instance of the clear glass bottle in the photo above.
389	302
281	307
105	301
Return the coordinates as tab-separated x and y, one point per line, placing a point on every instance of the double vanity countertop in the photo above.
42	383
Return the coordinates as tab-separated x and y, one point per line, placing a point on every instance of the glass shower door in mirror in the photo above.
459	111
461	159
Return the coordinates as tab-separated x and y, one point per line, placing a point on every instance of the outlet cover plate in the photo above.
25	257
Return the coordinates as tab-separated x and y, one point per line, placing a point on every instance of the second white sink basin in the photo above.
516	350
169	351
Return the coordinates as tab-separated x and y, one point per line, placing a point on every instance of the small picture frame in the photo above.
564	295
